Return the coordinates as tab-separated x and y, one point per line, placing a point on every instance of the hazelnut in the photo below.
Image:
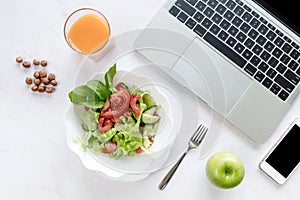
41	88
44	63
19	59
53	82
43	74
51	76
36	74
28	80
26	64
37	81
34	88
36	61
45	81
49	90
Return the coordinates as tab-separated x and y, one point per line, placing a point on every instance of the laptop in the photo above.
253	46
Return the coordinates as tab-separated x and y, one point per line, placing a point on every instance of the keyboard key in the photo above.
275	88
285	59
247	8
257	49
228	15
287	48
247	54
198	17
271	27
223	35
250	69
265	56
263	66
216	18
263	20
208	12
231	41
263	29
230	4
247	16
245	28
193	2
259	76
253	34
225	24
233	31
241	37
273	62
239	10
190	23
280	80
292	77
255	14
296	46
261	40
200	6
222	1
215	29
283	95
279	33
281	68
239	2
267	82
236	58
199	30
185	7
271	35
269	46
174	11
293	65
206	23
277	53
279	42
220	9
182	17
255	60
212	3
286	38
295	54
237	21
254	23
249	43
271	73
239	48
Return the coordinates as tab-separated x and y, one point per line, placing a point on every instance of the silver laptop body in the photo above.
258	92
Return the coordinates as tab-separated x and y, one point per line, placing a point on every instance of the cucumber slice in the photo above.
151	110
150	119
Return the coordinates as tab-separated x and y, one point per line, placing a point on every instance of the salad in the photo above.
118	120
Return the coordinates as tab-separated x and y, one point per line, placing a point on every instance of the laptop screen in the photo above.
285	10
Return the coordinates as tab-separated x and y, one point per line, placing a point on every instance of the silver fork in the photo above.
194	142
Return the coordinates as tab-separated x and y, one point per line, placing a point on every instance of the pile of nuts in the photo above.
41	80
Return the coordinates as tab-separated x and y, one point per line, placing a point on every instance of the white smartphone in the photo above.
282	160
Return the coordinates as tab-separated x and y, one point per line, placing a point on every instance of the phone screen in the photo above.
286	156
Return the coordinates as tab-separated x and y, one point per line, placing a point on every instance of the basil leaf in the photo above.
109	76
100	89
83	95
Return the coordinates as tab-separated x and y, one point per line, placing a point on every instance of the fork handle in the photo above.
170	174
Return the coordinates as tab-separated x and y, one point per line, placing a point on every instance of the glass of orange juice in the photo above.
86	31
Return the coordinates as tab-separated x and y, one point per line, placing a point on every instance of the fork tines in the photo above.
199	133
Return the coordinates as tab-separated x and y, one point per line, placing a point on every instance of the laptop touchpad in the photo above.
210	76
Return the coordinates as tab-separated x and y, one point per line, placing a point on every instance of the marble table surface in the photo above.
36	163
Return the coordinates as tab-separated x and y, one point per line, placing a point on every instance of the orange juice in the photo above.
89	33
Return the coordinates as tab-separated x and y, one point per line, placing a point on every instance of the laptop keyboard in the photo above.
247	39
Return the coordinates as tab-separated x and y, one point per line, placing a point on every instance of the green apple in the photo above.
225	170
